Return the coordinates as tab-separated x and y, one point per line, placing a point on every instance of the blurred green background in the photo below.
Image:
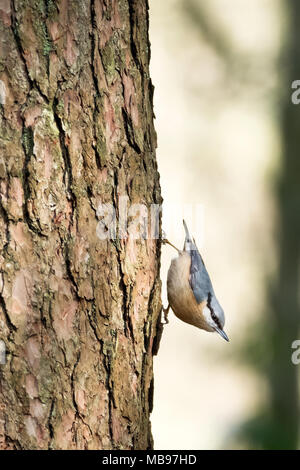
228	154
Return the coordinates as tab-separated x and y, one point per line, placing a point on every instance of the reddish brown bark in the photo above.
78	315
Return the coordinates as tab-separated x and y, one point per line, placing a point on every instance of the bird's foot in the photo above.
165	241
166	312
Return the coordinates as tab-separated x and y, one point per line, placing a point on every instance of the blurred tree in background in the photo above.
282	418
267	347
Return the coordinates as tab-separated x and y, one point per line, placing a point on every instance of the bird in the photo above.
190	292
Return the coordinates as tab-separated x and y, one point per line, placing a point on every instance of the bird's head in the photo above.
214	315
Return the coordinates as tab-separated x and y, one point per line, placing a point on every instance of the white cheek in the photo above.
207	316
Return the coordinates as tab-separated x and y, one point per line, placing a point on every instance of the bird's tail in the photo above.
187	233
188	243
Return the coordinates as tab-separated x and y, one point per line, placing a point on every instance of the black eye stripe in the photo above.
212	313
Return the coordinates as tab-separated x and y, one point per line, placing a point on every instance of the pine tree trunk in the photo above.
78	314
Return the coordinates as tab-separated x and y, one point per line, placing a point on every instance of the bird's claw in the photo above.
166	312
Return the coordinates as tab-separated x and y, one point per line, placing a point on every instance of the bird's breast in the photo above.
180	294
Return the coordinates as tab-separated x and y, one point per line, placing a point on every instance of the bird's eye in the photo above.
212	313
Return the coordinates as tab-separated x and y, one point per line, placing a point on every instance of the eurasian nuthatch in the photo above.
190	292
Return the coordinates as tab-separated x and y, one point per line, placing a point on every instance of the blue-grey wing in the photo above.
199	279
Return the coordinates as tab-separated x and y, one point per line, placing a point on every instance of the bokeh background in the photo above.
228	155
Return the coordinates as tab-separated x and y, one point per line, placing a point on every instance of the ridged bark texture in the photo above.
77	314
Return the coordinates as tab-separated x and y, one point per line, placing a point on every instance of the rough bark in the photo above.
77	314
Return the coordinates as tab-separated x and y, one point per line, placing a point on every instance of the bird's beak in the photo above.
222	333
